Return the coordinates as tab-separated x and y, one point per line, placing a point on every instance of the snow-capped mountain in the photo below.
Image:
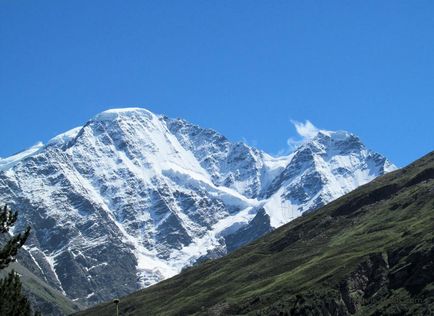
132	198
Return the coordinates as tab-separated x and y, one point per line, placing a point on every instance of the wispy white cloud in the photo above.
305	130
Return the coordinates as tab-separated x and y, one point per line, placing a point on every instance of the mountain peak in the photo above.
335	135
114	114
332	141
324	136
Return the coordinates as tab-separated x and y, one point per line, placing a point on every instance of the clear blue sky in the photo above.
244	68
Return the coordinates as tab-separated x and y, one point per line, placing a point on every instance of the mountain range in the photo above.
132	198
368	253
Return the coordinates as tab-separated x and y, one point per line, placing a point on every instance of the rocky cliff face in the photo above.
131	198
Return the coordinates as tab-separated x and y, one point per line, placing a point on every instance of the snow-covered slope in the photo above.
327	167
131	198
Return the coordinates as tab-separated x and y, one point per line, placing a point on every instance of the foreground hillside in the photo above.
368	253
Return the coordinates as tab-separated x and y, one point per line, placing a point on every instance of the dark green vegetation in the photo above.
370	252
11	245
12	300
42	296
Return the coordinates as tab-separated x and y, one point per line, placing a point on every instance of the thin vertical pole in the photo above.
116	301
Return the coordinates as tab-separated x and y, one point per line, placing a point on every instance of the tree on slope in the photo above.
12	301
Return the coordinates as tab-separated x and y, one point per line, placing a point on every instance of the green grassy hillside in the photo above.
368	253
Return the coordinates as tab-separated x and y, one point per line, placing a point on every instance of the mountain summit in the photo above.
131	198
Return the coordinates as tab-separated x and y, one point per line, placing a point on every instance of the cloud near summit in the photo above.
305	130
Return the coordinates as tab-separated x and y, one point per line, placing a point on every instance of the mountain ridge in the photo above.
131	198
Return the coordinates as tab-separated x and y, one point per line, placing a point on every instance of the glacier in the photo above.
131	198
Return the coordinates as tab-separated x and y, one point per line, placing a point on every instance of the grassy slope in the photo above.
368	253
44	298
